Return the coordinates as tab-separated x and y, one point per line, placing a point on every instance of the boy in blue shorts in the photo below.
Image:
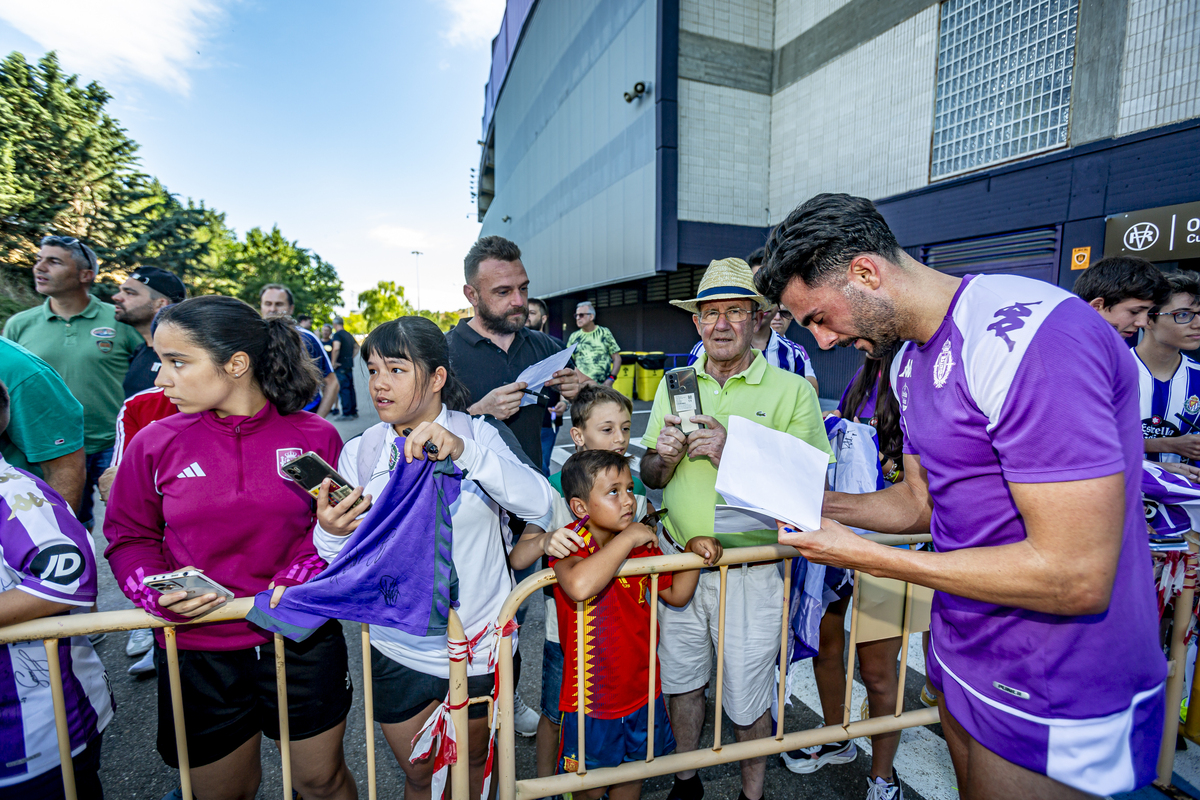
600	420
598	487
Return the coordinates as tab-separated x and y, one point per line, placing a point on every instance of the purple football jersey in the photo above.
1024	383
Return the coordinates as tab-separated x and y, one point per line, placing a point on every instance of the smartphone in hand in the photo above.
309	470
192	581
684	391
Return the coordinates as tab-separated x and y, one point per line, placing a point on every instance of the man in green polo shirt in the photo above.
80	337
733	379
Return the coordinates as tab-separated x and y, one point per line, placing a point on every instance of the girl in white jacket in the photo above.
413	387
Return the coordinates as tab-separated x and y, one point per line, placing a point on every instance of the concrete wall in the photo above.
575	163
1160	75
859	124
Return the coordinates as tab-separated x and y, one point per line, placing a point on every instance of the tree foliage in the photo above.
386	302
68	168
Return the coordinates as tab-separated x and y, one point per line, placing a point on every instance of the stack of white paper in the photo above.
536	375
767	475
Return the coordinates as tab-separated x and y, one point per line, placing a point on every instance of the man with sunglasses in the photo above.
80	337
770	336
597	353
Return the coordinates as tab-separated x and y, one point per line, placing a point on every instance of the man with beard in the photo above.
489	350
1026	467
140	297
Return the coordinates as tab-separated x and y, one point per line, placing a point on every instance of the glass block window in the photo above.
1003	81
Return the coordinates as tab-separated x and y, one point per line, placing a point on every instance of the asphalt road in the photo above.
133	769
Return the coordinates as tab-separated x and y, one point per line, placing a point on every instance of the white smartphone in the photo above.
192	581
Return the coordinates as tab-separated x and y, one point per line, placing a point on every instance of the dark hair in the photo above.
1120	278
877	372
302	317
279	287
223	326
756	258
594	395
70	243
819	238
580	471
537	301
496	248
1186	282
418	340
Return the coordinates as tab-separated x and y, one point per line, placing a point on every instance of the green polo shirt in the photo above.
761	393
45	420
91	352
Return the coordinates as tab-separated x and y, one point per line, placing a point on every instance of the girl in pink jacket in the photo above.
204	489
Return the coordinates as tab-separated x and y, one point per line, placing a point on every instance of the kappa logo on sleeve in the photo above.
26	502
1010	319
283	455
61	563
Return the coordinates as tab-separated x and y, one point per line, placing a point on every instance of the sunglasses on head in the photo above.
71	241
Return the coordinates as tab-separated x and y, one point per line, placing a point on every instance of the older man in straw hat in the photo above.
733	380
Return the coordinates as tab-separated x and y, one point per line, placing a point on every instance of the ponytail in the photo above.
286	372
222	326
418	340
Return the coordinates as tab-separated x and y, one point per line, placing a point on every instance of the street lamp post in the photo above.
418	255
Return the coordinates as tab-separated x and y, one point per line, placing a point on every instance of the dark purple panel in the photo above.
702	242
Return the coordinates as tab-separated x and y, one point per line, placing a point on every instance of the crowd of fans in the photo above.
181	414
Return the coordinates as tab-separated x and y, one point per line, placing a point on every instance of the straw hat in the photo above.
727	279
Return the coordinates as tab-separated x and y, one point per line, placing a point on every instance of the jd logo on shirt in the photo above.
60	563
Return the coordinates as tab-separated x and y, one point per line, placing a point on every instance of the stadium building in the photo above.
626	143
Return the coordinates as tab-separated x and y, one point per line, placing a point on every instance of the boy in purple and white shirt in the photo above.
1025	464
47	567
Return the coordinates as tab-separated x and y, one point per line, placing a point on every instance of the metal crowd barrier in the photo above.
881	609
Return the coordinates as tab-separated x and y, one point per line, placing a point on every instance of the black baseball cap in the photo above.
162	281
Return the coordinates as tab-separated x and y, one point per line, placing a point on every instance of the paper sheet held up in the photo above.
536	375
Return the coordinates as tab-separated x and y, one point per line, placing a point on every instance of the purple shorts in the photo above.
1101	755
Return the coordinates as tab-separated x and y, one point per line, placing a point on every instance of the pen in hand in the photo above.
429	447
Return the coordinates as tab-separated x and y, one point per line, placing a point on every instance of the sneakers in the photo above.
879	789
97	638
144	665
811	759
928	699
691	789
139	642
525	719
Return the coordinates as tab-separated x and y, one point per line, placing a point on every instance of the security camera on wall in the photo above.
639	89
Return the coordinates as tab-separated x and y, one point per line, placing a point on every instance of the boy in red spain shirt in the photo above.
598	486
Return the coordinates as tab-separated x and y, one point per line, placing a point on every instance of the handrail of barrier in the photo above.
719	753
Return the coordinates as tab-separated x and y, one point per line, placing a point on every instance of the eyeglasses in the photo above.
71	241
733	316
1180	317
783	312
583	314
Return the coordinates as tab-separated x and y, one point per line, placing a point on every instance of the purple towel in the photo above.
396	568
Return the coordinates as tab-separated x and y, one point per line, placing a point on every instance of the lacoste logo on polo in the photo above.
192	471
760	413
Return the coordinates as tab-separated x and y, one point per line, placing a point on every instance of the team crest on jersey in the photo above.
283	455
104	333
104	345
1192	405
942	367
393	457
904	398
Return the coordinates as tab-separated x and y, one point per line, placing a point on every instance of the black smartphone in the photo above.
310	469
684	392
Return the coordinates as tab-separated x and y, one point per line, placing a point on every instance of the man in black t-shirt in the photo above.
489	350
344	351
140	297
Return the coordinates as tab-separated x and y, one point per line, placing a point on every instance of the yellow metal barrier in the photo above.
874	617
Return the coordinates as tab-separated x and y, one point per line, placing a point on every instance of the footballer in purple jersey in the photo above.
1023	458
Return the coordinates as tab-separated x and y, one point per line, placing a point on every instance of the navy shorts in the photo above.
552	678
611	742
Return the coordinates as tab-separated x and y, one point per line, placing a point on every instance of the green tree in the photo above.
270	258
386	302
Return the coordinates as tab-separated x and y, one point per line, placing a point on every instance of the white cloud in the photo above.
473	22
398	236
152	40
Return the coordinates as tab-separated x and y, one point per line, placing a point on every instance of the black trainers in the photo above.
811	759
691	789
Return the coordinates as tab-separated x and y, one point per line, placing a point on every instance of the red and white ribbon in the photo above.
509	629
437	737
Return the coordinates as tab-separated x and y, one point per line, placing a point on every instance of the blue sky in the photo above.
351	125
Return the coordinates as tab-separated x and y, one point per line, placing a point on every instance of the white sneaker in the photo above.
139	642
525	719
810	759
882	790
143	665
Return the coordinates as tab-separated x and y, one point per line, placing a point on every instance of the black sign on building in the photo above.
1168	233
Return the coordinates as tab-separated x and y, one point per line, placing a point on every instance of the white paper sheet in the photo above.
536	375
767	475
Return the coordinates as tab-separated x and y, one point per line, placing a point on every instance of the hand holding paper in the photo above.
767	475
536	375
